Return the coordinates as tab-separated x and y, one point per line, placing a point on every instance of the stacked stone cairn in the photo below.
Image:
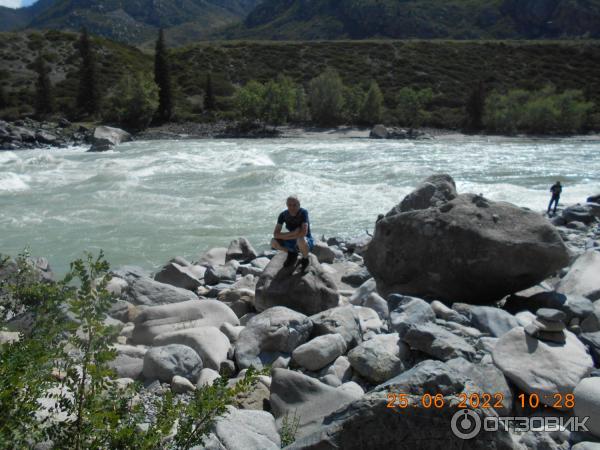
549	325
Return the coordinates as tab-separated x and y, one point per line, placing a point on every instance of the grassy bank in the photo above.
450	68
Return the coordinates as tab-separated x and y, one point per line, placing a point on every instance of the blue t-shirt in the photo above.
293	222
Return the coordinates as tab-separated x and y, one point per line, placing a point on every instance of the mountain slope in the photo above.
401	19
131	21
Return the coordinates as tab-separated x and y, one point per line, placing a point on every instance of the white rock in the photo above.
210	343
583	277
206	377
160	319
320	351
587	403
542	368
181	385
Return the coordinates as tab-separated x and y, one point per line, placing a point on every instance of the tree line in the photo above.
140	99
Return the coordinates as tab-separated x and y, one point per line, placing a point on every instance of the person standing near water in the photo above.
298	237
556	190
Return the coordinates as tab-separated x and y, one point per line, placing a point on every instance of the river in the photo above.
145	202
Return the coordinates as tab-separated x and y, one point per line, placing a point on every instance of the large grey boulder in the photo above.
485	378
163	363
434	191
105	138
293	393
145	291
352	322
269	334
438	342
380	358
467	249
308	292
583	277
490	320
178	316
240	250
427	377
368	423
406	311
320	351
213	257
210	343
129	362
179	274
217	274
543	368
243	429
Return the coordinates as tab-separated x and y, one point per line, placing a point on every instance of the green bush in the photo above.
543	111
274	102
411	105
326	98
133	102
63	354
371	111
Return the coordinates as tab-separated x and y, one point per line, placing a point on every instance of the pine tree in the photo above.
475	107
371	111
3	98
209	95
44	102
87	97
162	77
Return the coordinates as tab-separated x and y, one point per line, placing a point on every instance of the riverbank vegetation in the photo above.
443	84
56	383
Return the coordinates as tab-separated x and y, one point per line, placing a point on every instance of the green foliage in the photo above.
249	100
44	100
542	111
133	103
300	111
209	95
88	98
411	105
274	102
475	107
371	111
162	77
278	103
326	98
289	428
63	355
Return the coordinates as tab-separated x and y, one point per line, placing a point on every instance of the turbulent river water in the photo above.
145	202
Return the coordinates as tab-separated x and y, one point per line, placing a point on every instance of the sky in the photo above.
16	3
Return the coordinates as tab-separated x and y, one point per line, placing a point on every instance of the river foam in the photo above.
145	202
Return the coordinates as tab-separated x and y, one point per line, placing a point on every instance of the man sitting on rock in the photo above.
298	237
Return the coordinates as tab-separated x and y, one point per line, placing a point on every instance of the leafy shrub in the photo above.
133	102
63	355
326	98
542	111
411	105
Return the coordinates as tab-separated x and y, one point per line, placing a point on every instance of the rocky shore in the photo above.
454	296
30	134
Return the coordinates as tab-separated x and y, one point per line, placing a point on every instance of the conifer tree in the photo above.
44	102
87	97
476	107
209	95
162	78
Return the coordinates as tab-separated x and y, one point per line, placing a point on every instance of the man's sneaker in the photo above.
291	259
304	264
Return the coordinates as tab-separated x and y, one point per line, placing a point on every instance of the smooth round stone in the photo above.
587	403
551	315
546	325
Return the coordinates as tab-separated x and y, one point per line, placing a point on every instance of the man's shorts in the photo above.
291	245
